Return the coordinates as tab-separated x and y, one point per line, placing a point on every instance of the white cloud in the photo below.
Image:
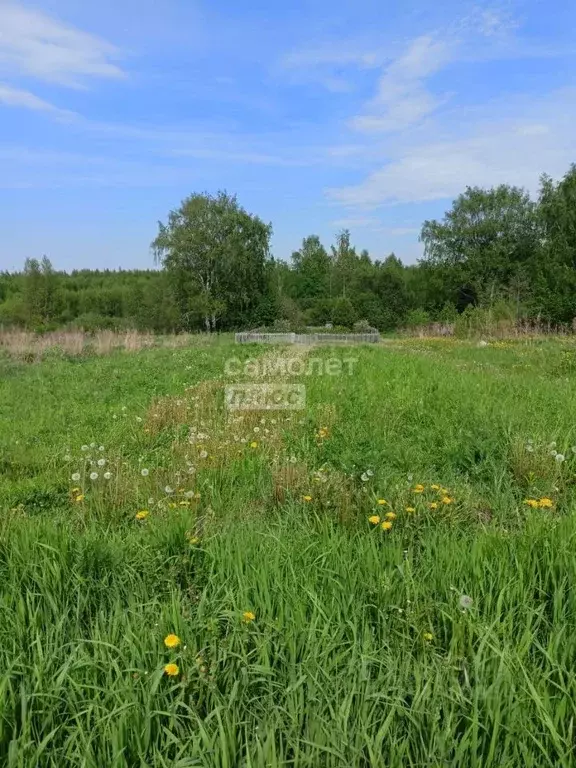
36	45
402	99
498	149
16	97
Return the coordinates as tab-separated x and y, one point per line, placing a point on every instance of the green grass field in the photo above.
307	635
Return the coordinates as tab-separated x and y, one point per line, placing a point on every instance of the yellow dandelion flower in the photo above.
382	502
444	491
418	488
386	525
172	670
79	498
546	503
194	540
433	505
172	505
75	490
196	495
532	503
410	509
391	515
447	500
307	498
142	515
435	487
248	616
374	519
254	444
171	641
428	636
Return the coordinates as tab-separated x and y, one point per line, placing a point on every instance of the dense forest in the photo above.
495	251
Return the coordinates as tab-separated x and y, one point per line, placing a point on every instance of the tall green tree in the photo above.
488	237
216	254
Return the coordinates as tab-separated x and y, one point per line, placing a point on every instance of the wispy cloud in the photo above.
16	97
35	45
402	98
497	149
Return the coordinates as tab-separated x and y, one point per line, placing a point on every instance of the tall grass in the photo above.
363	650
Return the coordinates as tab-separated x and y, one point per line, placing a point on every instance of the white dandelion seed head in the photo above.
554	453
364	477
92	445
168	489
150	501
138	419
552	445
189	494
101	462
530	448
465	602
76	477
191	470
84	448
107	475
67	457
369	473
203	454
93	475
144	472
293	459
256	429
410	478
101	448
560	457
242	439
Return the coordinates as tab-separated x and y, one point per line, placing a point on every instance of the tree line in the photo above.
495	250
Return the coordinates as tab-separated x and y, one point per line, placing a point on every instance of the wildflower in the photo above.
307	498
139	419
428	636
532	503
386	525
107	475
374	519
559	457
172	670
256	429
171	641
390	515
93	475
293	459
101	448
545	503
76	477
435	487
465	602
447	500
67	457
75	490
573	449
92	445
194	540
382	502
167	489
410	509
142	515
369	473
79	498
553	453
203	454
101	462
84	448
364	477
248	616
433	505
253	444
418	488
552	445
144	472
530	448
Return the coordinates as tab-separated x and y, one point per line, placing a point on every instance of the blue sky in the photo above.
319	114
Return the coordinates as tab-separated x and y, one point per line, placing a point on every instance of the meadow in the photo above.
384	578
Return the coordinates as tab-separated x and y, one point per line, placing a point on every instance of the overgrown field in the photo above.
384	578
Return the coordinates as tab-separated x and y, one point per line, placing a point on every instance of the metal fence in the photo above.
307	338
